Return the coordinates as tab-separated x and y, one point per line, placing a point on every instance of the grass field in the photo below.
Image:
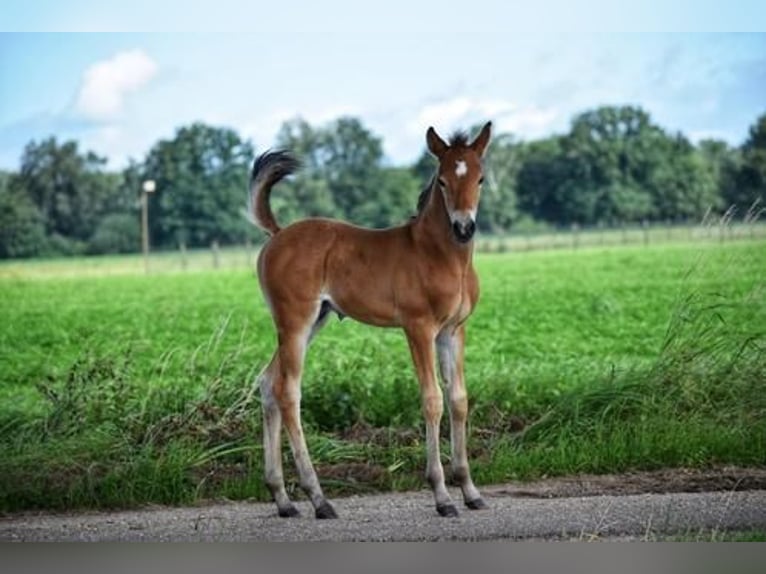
119	388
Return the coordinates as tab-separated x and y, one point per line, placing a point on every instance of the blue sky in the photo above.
400	67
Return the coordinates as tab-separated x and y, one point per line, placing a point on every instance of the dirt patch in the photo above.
353	473
660	481
363	433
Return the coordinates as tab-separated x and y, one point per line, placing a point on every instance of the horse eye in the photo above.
442	183
481	180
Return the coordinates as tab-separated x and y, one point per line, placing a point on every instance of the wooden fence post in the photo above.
216	255
184	261
248	252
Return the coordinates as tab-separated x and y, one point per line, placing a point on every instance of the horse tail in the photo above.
268	169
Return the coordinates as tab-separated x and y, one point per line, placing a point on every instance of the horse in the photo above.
418	276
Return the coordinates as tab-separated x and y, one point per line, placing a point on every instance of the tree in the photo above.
424	167
393	200
22	229
751	177
116	233
70	189
540	178
615	165
723	164
609	154
351	159
683	187
201	177
343	176
499	202
308	194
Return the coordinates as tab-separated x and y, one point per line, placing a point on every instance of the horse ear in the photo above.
479	145
436	145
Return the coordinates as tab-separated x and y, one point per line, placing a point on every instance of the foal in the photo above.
418	276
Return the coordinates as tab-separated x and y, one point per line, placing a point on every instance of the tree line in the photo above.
614	165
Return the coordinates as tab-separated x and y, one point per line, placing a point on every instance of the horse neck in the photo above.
432	231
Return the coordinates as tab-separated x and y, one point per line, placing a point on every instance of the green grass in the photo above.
122	389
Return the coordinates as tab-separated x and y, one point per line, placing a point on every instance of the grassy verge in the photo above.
717	536
120	391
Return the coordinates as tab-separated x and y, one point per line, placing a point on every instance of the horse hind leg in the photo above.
272	443
271	382
291	352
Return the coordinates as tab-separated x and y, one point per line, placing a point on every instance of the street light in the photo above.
148	186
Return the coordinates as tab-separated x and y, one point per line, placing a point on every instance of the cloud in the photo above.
463	112
264	129
106	84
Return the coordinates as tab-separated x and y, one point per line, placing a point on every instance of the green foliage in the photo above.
499	209
614	166
343	176
201	175
22	227
751	178
116	233
69	189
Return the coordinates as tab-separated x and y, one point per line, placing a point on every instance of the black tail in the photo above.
269	168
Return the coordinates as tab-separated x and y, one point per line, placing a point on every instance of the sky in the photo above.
398	66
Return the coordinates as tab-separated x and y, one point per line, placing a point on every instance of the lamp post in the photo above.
148	187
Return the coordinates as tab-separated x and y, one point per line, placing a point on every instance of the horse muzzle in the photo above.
464	230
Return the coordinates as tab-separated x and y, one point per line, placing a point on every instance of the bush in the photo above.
22	233
57	244
117	233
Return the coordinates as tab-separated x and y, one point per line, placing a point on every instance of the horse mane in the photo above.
425	194
459	139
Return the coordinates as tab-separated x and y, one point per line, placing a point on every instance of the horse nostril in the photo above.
463	231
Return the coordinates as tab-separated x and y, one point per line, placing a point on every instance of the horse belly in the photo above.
365	306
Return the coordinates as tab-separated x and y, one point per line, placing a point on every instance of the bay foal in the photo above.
418	276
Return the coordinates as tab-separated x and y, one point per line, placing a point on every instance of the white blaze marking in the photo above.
463	215
460	168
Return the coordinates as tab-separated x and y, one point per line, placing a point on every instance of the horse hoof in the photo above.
325	510
288	512
448	510
476	504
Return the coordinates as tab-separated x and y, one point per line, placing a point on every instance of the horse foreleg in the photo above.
450	345
421	342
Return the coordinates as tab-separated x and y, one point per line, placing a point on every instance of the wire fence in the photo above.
576	237
244	256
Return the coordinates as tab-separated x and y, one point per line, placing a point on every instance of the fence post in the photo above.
184	261
248	252
216	255
645	225
575	238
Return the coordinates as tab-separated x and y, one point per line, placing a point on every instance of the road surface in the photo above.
512	514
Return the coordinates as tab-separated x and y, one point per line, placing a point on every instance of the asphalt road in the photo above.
411	517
